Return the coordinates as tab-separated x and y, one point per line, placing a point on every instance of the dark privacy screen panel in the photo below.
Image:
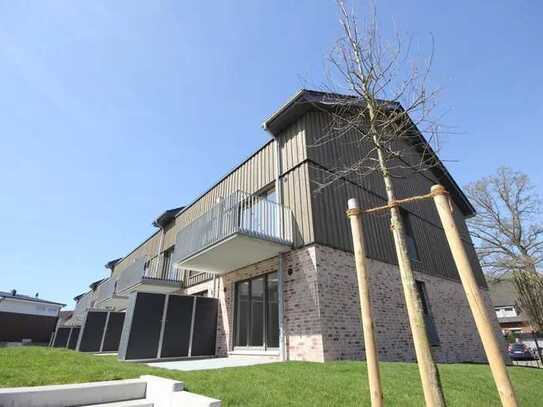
113	332
205	327
15	327
92	331
176	339
61	338
72	343
145	328
142	329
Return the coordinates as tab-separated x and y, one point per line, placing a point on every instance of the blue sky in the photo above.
111	112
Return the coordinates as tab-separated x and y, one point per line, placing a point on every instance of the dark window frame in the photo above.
265	312
411	241
165	267
431	330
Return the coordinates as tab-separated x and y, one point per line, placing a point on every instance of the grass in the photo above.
278	384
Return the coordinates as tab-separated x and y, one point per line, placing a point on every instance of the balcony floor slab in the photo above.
115	302
157	286
232	253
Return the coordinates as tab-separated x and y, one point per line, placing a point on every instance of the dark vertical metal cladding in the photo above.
205	327
177	328
93	330
72	343
113	332
61	337
144	332
329	204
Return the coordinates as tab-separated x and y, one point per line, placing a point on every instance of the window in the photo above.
412	249
506	312
256	312
431	330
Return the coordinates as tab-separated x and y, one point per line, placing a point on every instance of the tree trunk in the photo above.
431	384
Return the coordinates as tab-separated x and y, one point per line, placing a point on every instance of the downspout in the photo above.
159	250
280	279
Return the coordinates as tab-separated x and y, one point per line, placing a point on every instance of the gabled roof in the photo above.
95	284
311	100
161	221
502	292
110	264
166	217
7	294
303	101
78	297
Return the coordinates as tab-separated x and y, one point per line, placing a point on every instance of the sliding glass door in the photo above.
256	313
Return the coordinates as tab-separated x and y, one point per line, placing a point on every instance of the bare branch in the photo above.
507	231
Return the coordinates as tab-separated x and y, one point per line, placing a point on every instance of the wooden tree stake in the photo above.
372	358
475	299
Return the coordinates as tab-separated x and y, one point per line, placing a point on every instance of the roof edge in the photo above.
301	102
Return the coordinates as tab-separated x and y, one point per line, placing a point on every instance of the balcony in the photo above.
242	229
107	297
155	275
83	304
195	278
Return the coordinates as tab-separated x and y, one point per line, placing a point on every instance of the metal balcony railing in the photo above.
240	212
106	290
82	306
144	270
194	278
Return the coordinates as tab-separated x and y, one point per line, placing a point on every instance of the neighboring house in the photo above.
25	317
276	251
511	317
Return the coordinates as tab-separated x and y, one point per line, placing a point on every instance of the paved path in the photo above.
213	363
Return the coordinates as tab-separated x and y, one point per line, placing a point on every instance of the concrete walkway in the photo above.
213	363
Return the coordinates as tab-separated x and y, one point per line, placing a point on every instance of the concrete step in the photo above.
74	394
147	391
127	403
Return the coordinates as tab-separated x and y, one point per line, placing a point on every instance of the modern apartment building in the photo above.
275	250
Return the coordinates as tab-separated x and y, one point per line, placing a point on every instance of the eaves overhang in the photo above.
166	217
110	264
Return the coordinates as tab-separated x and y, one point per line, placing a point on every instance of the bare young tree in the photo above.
387	110
508	235
508	228
529	285
382	100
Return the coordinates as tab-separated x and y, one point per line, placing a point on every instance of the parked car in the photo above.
519	351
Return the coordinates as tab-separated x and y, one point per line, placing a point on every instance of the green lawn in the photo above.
278	384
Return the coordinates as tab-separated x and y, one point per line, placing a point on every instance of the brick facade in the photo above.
321	309
340	315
